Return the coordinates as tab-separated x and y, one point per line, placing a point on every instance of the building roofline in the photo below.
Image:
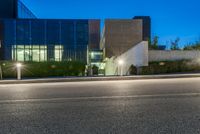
49	19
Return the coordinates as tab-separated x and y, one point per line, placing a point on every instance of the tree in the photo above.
175	44
193	46
132	70
154	43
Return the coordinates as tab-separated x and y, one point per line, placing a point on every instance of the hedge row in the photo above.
44	69
167	67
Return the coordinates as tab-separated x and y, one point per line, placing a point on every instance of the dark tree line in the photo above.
174	44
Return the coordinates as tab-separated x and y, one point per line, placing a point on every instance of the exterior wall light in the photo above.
120	63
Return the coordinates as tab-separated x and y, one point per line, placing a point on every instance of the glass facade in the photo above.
96	59
46	40
23	11
96	56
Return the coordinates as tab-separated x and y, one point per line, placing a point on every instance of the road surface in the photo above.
159	106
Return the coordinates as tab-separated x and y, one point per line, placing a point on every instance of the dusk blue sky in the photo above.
170	18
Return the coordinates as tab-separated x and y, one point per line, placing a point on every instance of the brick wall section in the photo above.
94	34
121	35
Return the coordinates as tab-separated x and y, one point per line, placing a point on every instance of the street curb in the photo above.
109	78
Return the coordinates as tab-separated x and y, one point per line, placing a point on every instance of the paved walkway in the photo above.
110	78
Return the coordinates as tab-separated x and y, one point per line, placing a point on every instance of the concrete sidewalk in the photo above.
109	78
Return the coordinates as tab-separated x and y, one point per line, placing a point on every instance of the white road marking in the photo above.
103	97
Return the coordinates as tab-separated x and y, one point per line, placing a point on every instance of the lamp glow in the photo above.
120	62
18	65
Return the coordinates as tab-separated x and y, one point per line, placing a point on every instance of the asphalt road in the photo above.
160	106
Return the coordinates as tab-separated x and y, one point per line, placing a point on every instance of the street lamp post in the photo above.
121	62
19	66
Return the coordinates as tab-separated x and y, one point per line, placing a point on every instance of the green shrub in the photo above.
132	70
44	69
95	70
166	67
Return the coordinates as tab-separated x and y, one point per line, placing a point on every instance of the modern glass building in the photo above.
23	37
13	9
47	40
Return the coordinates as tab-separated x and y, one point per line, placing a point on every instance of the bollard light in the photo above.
19	66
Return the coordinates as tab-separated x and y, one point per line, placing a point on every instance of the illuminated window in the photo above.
35	53
43	53
29	53
58	52
20	53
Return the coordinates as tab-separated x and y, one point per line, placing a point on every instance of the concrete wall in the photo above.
161	55
110	66
137	56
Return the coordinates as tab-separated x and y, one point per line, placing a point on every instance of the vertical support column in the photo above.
18	73
15	41
45	39
30	40
60	41
45	32
19	66
75	42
